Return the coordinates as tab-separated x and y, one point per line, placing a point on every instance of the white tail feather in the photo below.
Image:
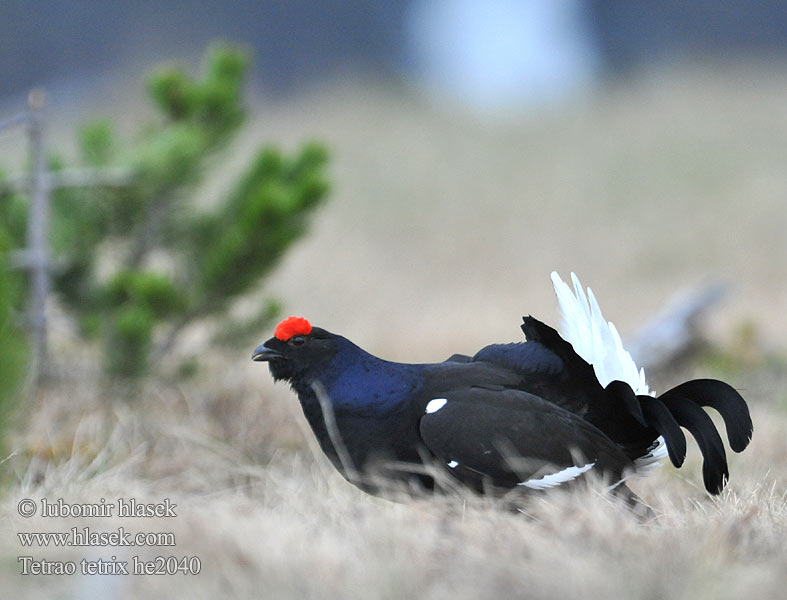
598	342
593	338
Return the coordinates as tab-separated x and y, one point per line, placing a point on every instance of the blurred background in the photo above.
473	142
404	173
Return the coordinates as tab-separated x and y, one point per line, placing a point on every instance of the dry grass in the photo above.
441	232
269	518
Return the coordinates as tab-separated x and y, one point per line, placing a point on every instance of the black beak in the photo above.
263	353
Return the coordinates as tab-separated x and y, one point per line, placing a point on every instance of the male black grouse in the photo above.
527	415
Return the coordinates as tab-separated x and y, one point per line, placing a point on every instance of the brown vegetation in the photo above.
441	233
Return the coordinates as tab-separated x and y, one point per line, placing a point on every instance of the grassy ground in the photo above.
268	517
441	233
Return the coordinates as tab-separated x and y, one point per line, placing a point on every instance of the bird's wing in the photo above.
510	438
527	358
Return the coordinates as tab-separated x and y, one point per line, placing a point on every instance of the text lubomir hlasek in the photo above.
123	507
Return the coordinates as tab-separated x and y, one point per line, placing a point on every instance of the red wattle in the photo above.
292	326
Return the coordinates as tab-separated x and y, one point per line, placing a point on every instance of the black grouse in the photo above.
526	415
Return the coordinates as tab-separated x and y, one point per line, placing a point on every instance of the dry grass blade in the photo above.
333	433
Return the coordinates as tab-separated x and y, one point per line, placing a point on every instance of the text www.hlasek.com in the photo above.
86	537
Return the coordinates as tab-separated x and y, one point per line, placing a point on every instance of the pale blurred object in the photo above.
501	53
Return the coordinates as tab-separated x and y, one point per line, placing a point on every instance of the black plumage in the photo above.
526	415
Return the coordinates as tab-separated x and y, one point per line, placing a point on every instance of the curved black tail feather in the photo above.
726	400
636	424
661	419
692	417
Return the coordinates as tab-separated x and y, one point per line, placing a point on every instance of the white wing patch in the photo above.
593	338
453	464
548	481
434	405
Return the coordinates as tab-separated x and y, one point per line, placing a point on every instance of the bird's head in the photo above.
297	351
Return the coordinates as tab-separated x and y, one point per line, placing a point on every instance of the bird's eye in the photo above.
297	340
